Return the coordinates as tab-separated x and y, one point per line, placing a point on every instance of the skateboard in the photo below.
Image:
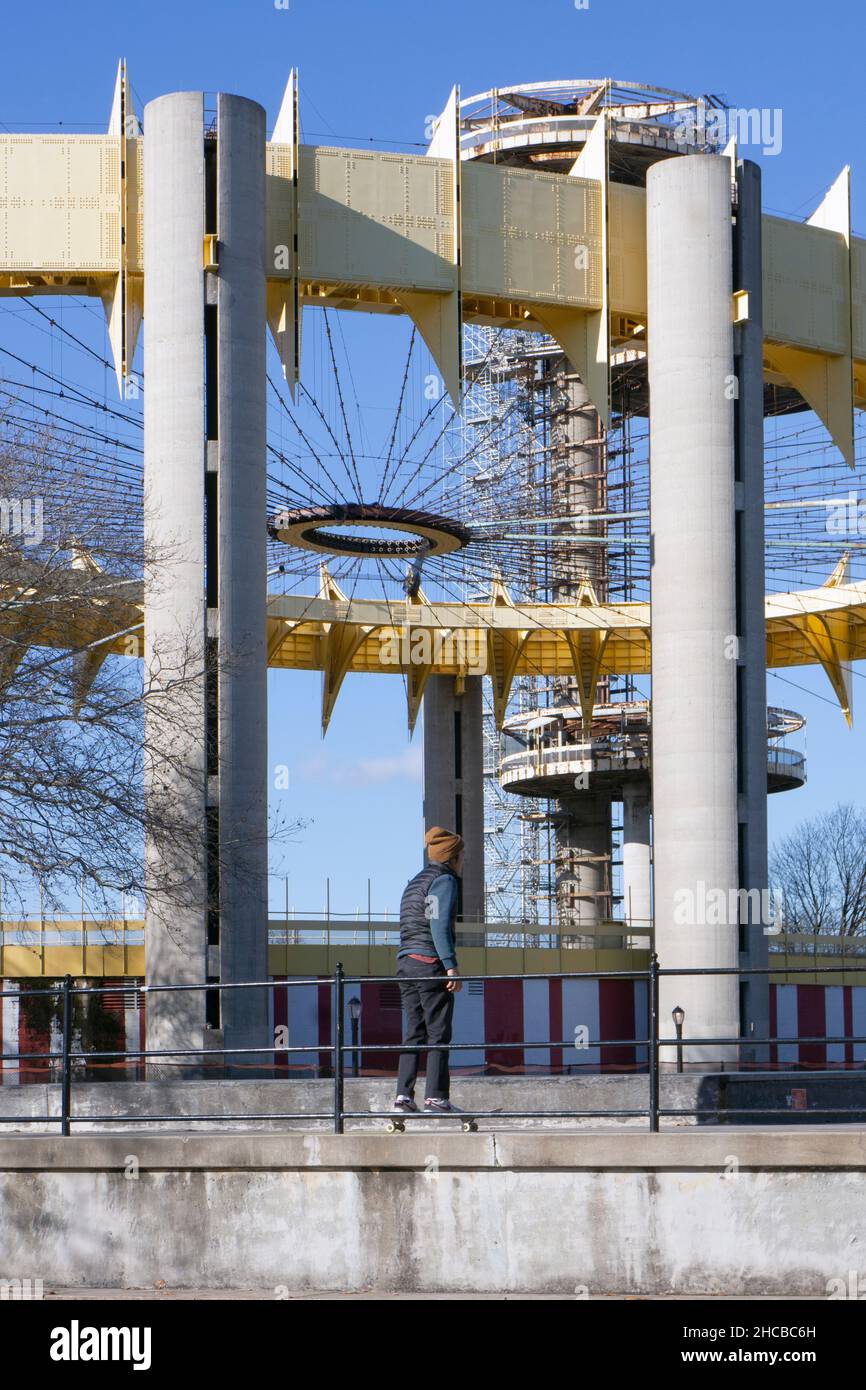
397	1125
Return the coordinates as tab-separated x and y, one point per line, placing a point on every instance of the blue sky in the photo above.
379	70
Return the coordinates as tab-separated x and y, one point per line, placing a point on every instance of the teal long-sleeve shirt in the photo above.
441	909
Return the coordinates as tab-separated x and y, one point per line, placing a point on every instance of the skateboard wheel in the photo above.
469	1127
395	1126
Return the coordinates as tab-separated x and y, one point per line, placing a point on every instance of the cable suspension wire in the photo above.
481	474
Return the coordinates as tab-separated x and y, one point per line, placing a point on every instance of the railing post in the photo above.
338	1048
654	1044
66	1074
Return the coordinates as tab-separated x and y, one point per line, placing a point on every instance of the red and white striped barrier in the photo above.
590	1023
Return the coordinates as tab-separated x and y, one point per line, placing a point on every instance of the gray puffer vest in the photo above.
415	933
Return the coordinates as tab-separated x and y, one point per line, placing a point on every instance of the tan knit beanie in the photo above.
442	845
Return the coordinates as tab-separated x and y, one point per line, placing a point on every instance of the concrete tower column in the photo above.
174	522
751	662
205	510
582	821
576	487
636	865
694	617
242	566
583	900
454	779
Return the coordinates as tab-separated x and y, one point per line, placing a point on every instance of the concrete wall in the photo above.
690	1213
233	1103
508	1103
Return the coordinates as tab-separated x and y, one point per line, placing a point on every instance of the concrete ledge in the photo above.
739	1212
830	1149
256	1106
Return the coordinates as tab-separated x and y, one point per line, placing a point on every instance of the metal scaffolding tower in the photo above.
516	429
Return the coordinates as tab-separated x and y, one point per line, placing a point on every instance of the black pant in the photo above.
428	1010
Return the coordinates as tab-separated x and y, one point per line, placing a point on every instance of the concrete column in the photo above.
576	487
692	503
174	466
636	865
454	779
583	842
205	508
242	563
752	670
582	822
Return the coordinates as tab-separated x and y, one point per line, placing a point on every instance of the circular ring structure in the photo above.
306	527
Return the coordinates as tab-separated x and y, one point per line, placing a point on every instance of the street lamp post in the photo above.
678	1014
355	1019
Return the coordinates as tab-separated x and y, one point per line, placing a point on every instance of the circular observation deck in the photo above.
546	753
545	125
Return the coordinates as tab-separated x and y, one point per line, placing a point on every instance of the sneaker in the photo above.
441	1106
405	1103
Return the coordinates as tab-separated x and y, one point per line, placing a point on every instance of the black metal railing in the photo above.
69	1057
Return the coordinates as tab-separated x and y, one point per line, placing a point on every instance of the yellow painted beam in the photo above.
328	632
505	648
828	636
123	294
115	950
438	319
439	316
283	301
342	641
375	231
417	677
587	649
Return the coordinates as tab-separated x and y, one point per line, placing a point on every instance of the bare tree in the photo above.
75	746
820	869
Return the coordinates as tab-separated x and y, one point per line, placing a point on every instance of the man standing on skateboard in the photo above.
428	911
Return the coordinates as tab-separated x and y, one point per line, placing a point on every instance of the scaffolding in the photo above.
498	431
547	458
515	430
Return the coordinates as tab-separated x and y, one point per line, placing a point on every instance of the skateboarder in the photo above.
428	911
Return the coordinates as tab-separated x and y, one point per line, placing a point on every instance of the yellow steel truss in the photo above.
441	240
414	638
